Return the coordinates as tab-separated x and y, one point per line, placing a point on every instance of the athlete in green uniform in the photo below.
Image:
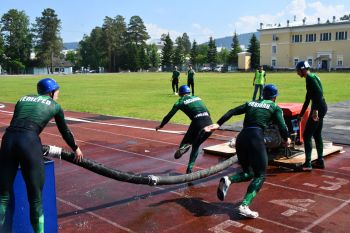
250	146
259	82
175	80
190	78
22	146
314	124
195	109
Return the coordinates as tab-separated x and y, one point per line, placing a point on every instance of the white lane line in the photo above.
95	215
2	105
8	112
304	191
327	215
123	125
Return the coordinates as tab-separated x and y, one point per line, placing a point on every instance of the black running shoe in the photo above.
319	164
182	150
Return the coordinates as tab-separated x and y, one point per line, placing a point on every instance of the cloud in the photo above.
155	31
201	33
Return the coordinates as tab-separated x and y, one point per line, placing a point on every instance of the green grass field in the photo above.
149	95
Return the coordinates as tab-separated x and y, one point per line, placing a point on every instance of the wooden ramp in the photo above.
298	160
222	149
294	162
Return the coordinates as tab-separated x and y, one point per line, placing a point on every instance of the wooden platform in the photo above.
222	149
225	150
298	160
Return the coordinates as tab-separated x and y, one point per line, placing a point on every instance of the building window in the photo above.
296	60
309	60
274	37
326	36
274	49
310	37
341	35
340	61
297	38
273	63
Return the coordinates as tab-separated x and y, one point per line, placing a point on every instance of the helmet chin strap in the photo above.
52	93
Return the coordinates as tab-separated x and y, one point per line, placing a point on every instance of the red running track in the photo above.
86	202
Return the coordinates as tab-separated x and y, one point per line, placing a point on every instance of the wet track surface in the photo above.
316	201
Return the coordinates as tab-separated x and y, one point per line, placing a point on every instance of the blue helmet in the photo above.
302	65
184	89
47	85
270	91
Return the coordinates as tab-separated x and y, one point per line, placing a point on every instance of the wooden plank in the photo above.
222	149
300	159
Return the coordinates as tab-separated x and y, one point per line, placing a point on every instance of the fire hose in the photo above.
57	152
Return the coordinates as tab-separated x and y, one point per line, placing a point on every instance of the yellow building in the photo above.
324	45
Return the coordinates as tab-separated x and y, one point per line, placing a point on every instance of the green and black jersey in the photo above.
176	74
192	106
314	92
190	75
40	109
259	114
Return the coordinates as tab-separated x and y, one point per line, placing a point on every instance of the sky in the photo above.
200	19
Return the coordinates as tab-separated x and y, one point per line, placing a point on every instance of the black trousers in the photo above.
175	85
22	147
190	84
251	151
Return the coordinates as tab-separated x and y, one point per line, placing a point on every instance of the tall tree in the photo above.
91	50
48	42
235	49
144	58
17	40
153	56
121	41
212	53
194	55
167	52
179	56
254	49
202	54
137	32
110	41
186	43
223	56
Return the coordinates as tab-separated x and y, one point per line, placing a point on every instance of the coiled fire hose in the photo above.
57	152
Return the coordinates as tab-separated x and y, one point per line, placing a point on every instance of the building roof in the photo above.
302	24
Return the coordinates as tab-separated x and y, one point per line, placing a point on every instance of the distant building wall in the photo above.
244	60
324	45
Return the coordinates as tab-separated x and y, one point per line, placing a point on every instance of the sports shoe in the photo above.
224	184
306	167
319	164
246	212
182	150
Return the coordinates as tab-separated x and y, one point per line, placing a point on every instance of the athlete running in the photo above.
195	109
250	146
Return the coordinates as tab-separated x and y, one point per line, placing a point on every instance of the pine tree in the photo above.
236	48
167	52
48	42
178	57
254	49
212	53
194	54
